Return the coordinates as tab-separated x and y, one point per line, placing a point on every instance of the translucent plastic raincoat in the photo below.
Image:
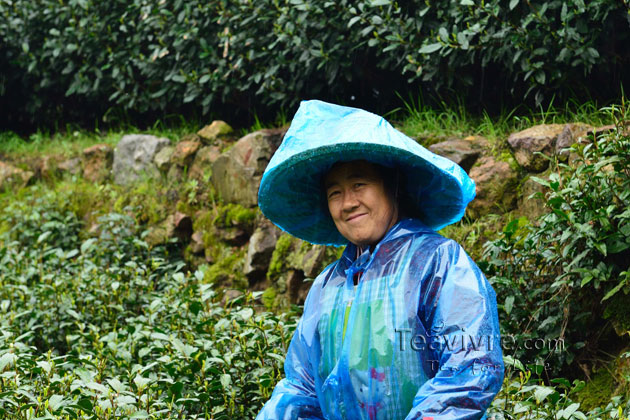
417	337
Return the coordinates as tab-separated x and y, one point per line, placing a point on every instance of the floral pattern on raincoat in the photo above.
417	337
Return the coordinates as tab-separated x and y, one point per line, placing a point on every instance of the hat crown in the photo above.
319	124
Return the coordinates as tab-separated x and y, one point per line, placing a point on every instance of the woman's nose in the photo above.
350	200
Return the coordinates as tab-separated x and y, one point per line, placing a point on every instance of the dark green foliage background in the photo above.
75	60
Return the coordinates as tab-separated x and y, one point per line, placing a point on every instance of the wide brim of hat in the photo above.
291	193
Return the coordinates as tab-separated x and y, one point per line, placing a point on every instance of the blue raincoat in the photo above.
417	337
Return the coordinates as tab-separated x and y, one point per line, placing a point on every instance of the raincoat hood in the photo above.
321	134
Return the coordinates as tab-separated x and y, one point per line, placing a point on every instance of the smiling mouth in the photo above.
356	216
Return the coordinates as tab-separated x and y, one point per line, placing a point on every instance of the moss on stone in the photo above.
4	227
608	381
275	300
598	391
183	206
212	246
230	215
331	254
143	198
313	260
213	229
618	311
203	222
281	283
294	254
506	156
269	298
239	216
279	256
228	270
84	198
473	233
296	257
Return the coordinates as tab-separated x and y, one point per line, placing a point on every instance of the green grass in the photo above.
426	124
71	141
430	124
281	120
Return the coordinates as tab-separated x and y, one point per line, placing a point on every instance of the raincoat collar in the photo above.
403	227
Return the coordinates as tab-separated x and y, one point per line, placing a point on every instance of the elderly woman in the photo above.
404	325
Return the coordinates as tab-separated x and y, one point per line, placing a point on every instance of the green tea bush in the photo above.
105	327
567	276
525	396
102	326
83	58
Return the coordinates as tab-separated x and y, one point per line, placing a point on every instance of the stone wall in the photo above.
228	233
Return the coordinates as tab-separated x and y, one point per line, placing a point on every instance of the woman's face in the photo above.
360	206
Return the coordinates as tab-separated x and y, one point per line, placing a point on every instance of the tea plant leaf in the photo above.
71	254
614	290
542	392
55	402
88	245
570	410
41	238
44	365
246	313
97	387
226	380
74	314
141	382
430	48
7	360
184	349
116	385
509	302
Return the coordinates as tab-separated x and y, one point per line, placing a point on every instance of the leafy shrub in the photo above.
566	275
524	396
40	223
107	328
147	56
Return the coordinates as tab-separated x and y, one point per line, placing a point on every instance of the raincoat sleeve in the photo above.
458	307
294	397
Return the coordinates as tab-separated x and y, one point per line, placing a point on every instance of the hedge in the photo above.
79	59
566	275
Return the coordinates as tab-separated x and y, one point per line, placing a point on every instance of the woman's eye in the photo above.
358	184
333	194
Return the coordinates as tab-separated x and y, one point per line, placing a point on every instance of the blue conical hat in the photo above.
291	193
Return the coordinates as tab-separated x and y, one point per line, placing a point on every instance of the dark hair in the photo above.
391	180
394	182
